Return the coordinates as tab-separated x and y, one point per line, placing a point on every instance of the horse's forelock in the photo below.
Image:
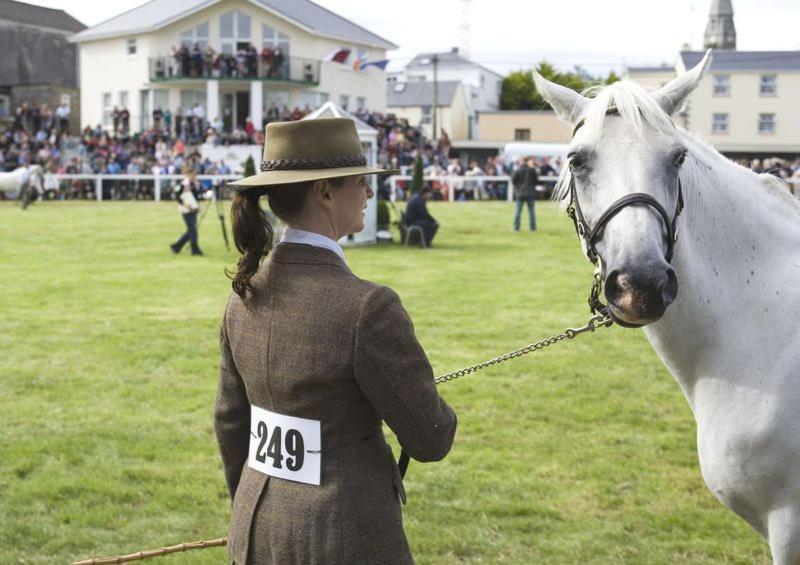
634	104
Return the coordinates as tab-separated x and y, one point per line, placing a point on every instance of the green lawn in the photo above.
584	452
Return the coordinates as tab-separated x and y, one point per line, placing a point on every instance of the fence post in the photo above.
98	187
392	189
510	191
157	188
451	189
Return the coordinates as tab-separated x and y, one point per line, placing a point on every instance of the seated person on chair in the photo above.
417	214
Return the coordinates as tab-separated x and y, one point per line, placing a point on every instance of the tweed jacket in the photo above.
322	344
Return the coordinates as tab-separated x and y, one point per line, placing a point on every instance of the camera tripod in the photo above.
214	190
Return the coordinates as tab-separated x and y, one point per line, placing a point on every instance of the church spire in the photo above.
720	31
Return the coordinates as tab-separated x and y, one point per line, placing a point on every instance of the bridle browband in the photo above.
590	234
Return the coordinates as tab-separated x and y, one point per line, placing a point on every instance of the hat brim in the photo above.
272	178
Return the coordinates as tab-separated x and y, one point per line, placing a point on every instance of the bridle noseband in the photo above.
590	234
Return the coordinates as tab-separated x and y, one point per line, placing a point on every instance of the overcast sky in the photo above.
512	34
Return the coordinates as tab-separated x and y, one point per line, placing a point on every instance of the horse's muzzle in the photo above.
640	296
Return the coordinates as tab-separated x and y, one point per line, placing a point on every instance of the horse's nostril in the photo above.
613	289
669	287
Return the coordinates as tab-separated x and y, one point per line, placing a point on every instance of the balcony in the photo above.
293	70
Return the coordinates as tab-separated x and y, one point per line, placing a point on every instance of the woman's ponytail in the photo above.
253	235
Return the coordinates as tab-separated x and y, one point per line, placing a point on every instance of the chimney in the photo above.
454	50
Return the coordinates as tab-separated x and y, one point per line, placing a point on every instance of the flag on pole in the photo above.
380	64
361	58
338	56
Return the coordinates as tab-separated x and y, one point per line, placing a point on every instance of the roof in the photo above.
450	59
758	61
420	93
38	16
331	110
304	13
661	69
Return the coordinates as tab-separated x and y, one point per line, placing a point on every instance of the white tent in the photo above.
369	141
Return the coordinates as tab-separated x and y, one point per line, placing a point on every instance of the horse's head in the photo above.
623	187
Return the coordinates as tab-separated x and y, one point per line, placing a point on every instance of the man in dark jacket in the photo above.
417	214
525	179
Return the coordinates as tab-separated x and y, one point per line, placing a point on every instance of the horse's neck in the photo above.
735	251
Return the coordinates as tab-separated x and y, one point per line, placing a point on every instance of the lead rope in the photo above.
601	320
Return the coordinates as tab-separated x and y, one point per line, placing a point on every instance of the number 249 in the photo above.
293	443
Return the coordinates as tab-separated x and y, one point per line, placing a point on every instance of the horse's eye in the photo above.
576	161
679	158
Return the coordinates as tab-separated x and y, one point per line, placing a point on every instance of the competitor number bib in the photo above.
284	446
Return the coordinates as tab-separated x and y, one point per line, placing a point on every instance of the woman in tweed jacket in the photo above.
313	360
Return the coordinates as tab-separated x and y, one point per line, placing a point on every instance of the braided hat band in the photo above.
312	163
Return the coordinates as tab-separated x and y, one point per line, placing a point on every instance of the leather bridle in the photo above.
589	234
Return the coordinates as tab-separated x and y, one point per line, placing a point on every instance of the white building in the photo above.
746	104
414	102
481	85
129	61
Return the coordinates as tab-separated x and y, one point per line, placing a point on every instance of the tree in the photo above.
416	181
518	91
249	166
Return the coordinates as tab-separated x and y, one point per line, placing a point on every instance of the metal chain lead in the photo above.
598	321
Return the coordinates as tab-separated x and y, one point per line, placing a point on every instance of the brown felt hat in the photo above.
308	150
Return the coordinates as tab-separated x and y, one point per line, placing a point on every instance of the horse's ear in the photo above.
672	95
566	102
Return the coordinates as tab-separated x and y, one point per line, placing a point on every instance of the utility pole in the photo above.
434	108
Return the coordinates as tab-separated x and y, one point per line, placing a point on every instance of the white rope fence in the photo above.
52	179
475	184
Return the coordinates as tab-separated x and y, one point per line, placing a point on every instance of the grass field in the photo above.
582	453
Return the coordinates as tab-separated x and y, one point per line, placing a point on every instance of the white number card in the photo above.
285	447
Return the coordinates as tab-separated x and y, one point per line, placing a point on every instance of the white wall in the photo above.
743	106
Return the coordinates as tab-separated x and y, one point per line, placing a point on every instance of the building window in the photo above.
766	123
195	36
344	101
106	105
522	135
769	85
234	31
719	124
5	105
361	103
426	115
722	85
123	99
130	46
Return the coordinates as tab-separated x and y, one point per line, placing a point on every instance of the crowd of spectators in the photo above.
203	61
171	145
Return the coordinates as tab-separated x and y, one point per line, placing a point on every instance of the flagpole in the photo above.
435	60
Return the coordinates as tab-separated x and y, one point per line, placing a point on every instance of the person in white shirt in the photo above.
188	207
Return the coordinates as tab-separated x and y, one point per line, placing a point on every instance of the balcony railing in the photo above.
230	67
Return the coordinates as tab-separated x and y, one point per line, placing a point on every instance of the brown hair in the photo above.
252	231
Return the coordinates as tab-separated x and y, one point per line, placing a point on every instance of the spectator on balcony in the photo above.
209	55
178	121
241	61
278	59
197	61
251	59
266	59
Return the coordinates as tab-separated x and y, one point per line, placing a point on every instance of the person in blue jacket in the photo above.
417	214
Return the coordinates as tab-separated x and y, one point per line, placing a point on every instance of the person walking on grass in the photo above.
314	359
188	207
525	180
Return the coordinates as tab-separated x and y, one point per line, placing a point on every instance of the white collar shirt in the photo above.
291	235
